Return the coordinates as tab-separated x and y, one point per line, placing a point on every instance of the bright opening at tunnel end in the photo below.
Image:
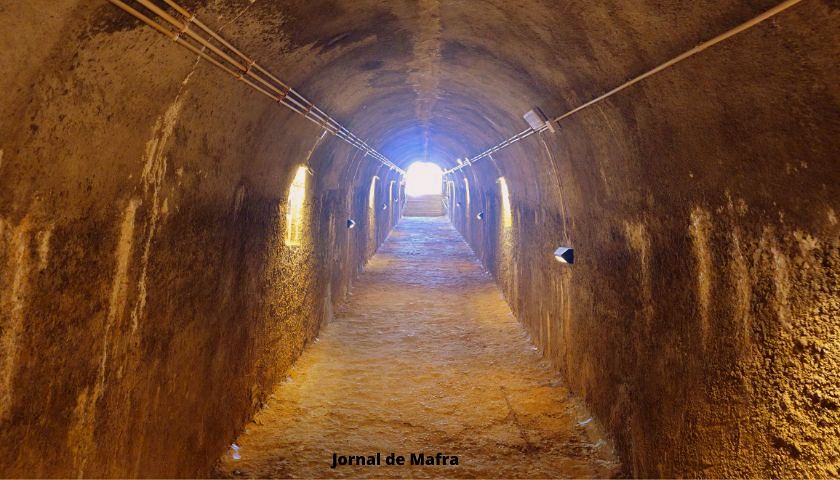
423	178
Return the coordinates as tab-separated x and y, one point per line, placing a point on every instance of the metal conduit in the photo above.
242	67
699	48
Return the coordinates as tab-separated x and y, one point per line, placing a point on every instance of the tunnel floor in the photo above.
424	357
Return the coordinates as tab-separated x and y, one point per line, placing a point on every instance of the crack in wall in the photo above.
236	17
154	173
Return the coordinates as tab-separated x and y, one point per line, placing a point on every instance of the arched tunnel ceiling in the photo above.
439	80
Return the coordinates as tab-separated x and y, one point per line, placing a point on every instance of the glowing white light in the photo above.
372	193
295	212
507	215
423	178
467	191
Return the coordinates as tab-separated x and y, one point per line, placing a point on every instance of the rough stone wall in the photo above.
148	302
701	319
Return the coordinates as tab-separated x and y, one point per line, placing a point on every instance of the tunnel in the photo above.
210	266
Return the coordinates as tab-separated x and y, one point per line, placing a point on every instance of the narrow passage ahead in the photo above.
425	357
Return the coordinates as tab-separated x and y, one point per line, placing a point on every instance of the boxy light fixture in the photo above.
350	223
537	119
565	255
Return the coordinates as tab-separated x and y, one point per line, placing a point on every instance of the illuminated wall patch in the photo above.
507	215
372	195
391	192
467	192
295	212
372	211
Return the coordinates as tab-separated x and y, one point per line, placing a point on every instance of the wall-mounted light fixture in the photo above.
565	255
458	204
537	120
384	206
480	215
350	223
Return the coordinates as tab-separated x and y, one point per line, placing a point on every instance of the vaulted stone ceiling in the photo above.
446	79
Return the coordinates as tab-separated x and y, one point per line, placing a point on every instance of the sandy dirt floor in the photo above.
424	357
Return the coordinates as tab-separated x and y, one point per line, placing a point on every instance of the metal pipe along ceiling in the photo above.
239	65
687	54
